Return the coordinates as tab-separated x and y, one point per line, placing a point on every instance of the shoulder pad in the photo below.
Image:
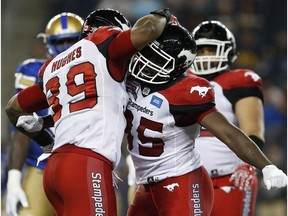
239	78
43	67
29	66
27	72
192	90
103	33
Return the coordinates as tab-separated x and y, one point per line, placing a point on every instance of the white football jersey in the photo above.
162	126
87	103
229	87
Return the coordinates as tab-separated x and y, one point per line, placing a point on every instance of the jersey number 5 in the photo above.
87	88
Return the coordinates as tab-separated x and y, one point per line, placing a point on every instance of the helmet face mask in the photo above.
61	32
104	17
213	34
166	58
208	64
152	65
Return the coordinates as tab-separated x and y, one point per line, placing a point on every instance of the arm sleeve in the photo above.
121	46
32	99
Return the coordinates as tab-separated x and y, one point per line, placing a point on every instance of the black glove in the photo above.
163	12
45	137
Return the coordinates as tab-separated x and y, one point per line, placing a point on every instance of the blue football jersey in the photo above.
25	76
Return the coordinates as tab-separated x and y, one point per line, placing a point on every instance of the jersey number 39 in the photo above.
87	88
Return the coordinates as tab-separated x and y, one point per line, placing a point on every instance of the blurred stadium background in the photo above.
260	28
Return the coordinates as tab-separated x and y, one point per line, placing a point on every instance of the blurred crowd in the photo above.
260	28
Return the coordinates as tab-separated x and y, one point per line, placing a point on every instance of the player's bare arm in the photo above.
20	149
235	139
14	110
149	28
250	114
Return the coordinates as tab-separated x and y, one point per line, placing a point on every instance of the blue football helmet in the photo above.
61	32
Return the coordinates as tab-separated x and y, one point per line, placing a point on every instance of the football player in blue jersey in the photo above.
24	174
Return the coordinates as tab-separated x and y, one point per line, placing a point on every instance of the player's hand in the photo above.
274	177
244	176
15	193
163	12
30	123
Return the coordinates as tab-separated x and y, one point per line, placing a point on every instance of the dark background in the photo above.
260	29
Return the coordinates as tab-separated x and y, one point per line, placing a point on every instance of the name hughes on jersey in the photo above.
76	53
140	108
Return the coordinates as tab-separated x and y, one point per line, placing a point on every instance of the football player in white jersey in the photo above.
165	111
238	96
25	176
85	90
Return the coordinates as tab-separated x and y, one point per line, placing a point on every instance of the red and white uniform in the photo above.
85	106
217	158
162	125
86	92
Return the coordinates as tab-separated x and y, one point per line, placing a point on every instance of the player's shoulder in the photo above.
30	66
27	73
192	90
103	33
239	78
43	67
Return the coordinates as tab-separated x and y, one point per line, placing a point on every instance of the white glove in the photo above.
274	177
30	123
15	193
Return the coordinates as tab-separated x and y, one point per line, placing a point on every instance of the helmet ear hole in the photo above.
166	58
214	33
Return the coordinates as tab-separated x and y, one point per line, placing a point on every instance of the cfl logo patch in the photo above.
156	101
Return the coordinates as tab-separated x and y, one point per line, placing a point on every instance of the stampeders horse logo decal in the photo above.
189	57
202	90
171	186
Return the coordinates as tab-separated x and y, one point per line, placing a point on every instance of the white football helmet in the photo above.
215	35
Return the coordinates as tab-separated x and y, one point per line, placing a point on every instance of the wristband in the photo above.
14	178
258	141
163	12
44	138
